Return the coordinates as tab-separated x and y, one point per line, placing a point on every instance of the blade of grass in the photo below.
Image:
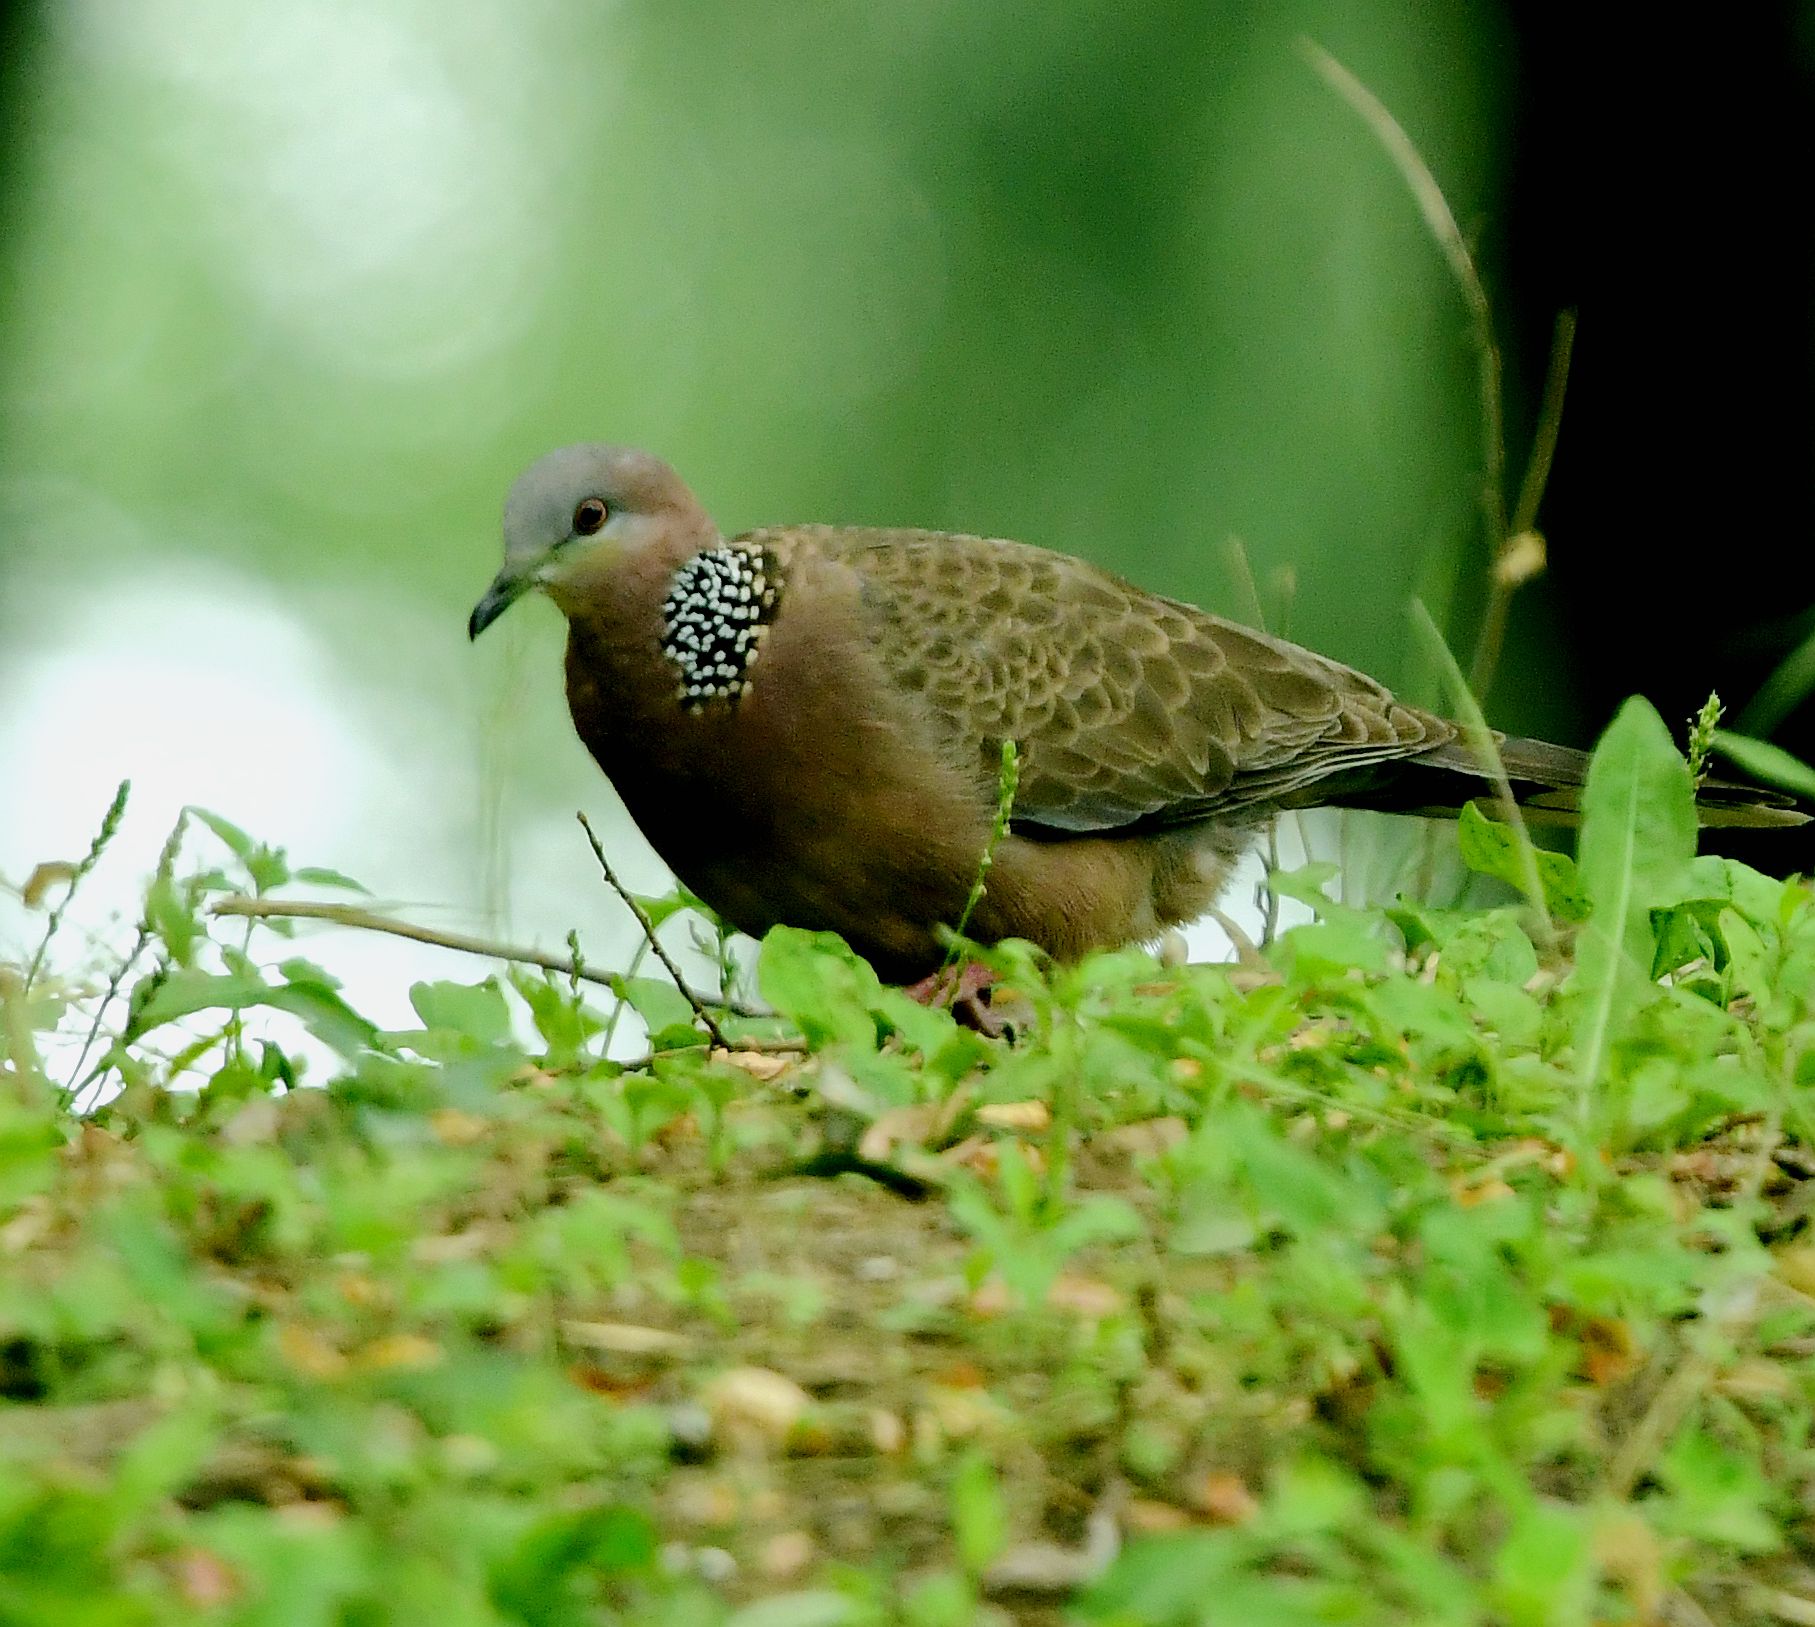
1482	743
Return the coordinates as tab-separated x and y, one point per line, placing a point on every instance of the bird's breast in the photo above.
801	785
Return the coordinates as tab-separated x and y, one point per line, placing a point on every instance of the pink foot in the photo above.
967	991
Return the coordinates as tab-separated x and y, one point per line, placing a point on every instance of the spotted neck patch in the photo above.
718	607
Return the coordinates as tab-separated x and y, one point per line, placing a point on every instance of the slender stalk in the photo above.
1008	780
1487	752
1441	222
706	1019
110	823
1515	549
296	909
1520	554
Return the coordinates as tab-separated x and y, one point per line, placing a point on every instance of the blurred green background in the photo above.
293	290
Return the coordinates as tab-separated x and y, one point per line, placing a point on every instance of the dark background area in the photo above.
1659	184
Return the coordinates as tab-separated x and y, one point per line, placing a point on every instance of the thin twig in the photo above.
777	1045
297	909
707	1020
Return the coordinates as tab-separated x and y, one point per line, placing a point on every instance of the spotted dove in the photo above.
806	721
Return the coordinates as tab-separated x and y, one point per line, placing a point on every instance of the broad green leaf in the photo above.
183	993
1718	1494
543	1581
1305	884
1342	941
563	1020
477	1010
30	1144
818	982
1747	957
297	969
1638	819
1635	854
1493	849
657	1001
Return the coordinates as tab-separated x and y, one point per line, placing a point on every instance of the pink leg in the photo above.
968	991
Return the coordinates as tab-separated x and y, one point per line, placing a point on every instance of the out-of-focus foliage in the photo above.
292	290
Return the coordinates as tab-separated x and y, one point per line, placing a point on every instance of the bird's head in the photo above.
576	514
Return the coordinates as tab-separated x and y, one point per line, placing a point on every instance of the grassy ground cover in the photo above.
1433	1265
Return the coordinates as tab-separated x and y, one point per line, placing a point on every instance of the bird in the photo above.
807	721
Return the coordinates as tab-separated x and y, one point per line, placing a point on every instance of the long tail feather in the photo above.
1547	782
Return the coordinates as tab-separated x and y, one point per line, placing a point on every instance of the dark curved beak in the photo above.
508	586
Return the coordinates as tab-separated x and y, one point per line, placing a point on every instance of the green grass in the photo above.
1412	1277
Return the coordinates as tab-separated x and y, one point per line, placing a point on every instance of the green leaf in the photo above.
1638	820
1345	940
1635	855
663	908
818	982
544	1581
1166	1579
1748	959
657	1001
1493	849
1096	1220
477	1010
183	993
268	867
297	969
1305	884
30	1145
325	1014
236	839
1299	1191
171	916
320	876
563	1020
1544	1571
979	1516
1718	1495
1764	761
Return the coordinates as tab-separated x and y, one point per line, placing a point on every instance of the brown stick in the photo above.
707	1020
297	909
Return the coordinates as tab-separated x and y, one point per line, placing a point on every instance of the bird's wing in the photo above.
1127	708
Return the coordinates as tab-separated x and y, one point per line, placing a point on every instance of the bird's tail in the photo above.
1547	784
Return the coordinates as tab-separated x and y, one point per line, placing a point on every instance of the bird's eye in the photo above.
589	516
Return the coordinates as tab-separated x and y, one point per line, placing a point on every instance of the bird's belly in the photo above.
816	826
